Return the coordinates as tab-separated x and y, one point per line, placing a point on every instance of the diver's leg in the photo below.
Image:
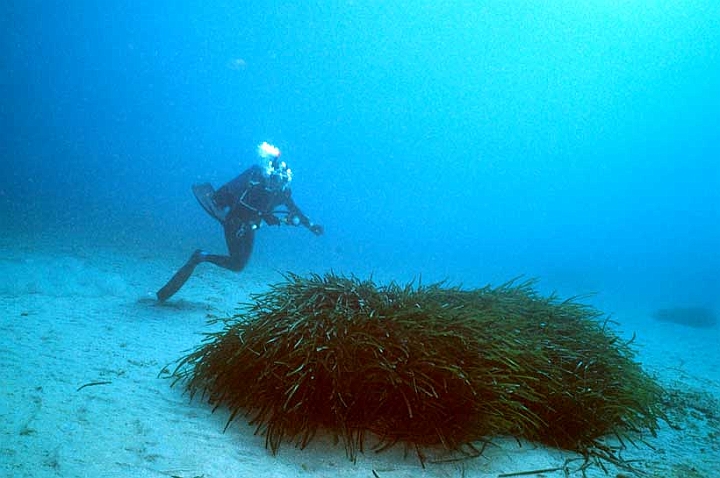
180	277
240	248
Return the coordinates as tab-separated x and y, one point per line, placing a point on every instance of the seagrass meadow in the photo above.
423	365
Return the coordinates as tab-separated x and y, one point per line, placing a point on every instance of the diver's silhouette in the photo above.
241	206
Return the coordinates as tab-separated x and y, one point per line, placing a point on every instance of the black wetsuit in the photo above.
241	205
249	200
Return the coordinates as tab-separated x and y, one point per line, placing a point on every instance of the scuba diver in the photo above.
240	206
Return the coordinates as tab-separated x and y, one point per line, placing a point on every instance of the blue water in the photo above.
468	140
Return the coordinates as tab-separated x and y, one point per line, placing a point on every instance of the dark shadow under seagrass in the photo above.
424	365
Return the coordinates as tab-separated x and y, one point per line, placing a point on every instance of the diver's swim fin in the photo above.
204	194
180	277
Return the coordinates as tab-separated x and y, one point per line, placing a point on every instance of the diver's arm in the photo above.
296	217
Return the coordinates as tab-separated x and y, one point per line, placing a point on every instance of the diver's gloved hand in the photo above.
316	229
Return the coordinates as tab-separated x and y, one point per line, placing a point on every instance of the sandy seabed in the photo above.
84	390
